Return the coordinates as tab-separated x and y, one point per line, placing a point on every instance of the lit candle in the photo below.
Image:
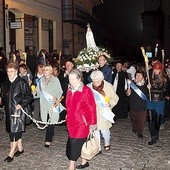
106	99
60	53
163	54
14	58
156	50
24	56
163	57
33	88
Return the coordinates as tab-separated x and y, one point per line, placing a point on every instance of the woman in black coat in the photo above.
16	94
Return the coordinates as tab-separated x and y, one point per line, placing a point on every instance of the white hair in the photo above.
97	75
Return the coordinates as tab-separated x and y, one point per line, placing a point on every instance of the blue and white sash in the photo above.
59	108
138	91
106	112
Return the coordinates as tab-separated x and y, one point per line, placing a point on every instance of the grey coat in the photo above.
54	89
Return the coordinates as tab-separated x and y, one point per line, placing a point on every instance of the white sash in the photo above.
49	98
106	112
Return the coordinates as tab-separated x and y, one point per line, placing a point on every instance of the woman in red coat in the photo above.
81	117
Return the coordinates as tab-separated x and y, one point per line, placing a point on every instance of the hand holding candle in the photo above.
106	99
14	58
33	87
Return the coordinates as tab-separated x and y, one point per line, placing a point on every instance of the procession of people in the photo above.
88	99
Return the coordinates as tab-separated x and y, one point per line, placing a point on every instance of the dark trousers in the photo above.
138	120
49	133
121	109
154	123
167	110
36	105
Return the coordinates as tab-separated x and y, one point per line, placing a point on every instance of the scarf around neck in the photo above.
99	88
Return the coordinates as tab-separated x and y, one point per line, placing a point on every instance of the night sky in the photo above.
123	26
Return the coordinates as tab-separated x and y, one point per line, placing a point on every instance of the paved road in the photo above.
128	152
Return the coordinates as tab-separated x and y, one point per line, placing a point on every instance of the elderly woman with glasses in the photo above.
106	99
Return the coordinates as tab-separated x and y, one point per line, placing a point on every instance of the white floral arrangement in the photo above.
87	59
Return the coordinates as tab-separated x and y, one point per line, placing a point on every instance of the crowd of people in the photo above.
122	89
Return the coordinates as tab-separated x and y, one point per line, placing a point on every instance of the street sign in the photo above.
16	25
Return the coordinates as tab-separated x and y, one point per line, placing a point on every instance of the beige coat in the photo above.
103	124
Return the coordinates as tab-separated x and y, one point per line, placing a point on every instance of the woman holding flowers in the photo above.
106	99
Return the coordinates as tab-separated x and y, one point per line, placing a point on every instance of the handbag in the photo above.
90	148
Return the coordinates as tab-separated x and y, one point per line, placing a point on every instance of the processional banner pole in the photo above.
147	69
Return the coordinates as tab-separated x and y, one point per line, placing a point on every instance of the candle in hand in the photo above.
106	99
14	58
33	88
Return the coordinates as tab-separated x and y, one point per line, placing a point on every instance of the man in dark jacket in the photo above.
119	84
104	68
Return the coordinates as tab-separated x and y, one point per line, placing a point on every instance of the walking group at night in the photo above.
55	92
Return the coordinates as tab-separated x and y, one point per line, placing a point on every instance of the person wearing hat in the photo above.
158	88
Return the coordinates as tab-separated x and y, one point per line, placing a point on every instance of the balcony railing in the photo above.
78	15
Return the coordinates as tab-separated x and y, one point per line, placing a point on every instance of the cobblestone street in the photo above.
127	152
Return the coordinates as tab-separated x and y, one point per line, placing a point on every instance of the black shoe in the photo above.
140	135
83	166
100	152
157	135
8	159
47	146
153	140
18	153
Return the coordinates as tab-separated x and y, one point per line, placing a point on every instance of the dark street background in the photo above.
122	26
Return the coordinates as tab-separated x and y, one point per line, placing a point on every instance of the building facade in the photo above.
33	25
54	24
2	23
156	25
76	15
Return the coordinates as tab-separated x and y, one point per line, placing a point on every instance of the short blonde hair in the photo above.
97	75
